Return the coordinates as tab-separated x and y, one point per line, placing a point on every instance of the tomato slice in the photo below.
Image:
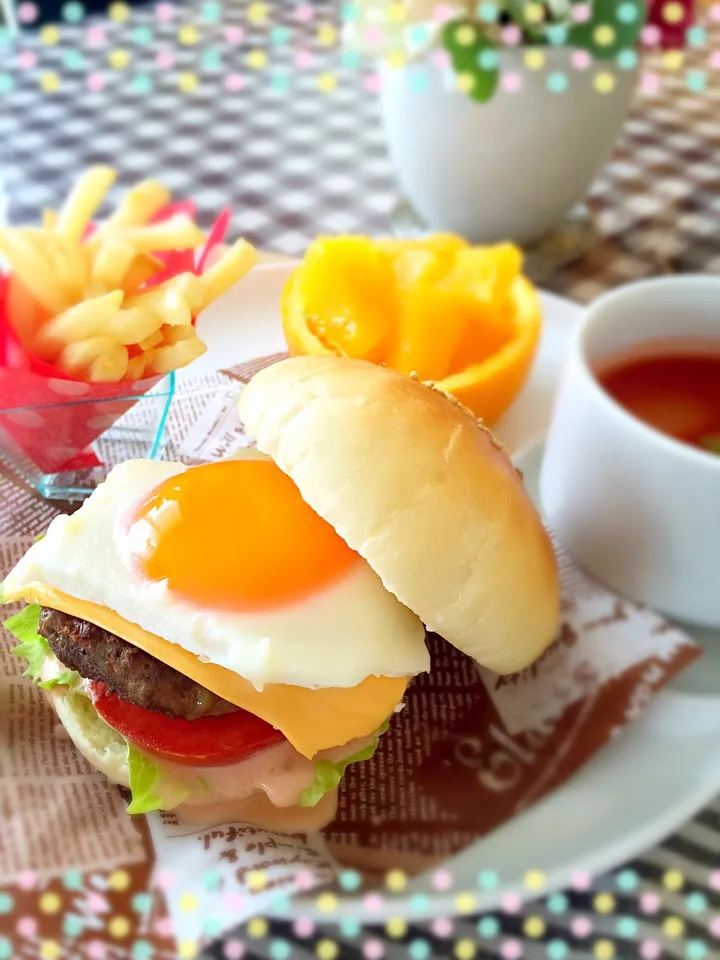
205	742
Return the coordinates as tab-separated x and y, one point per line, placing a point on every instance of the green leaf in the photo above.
151	788
328	774
144	775
610	29
32	647
465	42
66	678
711	443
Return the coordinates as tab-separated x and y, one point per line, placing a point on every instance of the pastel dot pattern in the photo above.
191	35
536	66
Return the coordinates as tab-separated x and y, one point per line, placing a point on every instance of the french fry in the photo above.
172	308
177	233
190	288
80	354
166	302
164	359
228	270
154	340
140	270
138	206
187	285
176	334
82	202
136	367
33	269
82	303
132	325
111	263
86	319
110	367
65	260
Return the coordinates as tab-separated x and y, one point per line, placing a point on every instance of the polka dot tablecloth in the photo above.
252	105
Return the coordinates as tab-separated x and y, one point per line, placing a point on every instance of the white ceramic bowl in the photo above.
508	169
639	510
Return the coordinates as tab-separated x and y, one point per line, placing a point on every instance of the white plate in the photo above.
645	784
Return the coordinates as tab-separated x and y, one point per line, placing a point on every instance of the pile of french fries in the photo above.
80	301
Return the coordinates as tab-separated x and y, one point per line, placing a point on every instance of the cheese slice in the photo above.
312	720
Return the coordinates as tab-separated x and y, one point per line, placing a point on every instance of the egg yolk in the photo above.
236	535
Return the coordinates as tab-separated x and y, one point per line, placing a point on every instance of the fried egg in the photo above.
227	561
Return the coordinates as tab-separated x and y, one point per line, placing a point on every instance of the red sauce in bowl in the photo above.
677	392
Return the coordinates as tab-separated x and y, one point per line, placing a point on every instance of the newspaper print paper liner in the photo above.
53	417
466	753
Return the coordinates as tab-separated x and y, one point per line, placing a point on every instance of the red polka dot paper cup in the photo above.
52	424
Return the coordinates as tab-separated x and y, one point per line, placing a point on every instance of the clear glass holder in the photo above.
136	429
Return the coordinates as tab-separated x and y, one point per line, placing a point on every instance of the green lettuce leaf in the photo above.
35	649
328	774
151	788
144	775
32	647
66	678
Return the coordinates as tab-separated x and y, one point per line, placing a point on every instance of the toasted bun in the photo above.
106	751
424	493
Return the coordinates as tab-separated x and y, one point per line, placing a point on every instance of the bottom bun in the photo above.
106	750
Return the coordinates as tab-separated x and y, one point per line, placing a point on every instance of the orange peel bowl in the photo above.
464	318
490	387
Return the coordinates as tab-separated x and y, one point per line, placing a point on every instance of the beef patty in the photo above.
131	673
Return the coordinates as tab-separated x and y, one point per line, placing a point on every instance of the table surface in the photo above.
293	162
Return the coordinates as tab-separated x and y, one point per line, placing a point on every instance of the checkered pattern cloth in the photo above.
296	162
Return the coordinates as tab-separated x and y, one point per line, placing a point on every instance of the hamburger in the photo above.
224	639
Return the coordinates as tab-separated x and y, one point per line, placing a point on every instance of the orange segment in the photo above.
487	273
241	558
431	320
347	296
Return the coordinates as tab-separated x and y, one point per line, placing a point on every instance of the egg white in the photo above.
350	630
